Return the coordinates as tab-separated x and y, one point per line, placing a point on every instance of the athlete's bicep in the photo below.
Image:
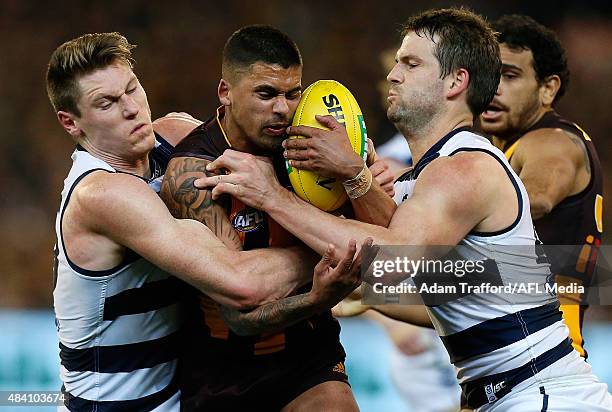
446	204
548	166
124	209
185	201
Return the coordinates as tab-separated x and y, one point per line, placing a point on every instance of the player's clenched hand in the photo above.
326	152
383	175
330	284
249	178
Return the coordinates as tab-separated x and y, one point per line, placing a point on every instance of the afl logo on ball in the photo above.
248	220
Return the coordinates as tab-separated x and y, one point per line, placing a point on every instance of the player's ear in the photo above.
223	91
69	122
549	88
459	81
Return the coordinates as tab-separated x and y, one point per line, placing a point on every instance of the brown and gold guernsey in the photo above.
575	222
213	348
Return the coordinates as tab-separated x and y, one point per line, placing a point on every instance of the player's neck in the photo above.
537	115
503	140
236	136
423	139
138	166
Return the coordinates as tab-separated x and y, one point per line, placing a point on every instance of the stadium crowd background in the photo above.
178	62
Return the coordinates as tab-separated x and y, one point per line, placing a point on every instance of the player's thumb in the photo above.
328	121
372	156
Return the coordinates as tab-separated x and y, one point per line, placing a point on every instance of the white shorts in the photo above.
566	394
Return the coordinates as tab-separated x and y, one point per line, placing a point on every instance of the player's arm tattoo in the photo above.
271	317
185	201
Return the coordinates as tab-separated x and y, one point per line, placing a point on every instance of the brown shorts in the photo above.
262	383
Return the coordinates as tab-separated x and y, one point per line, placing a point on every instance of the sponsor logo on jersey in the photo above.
248	220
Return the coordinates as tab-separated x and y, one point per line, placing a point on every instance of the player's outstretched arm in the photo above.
329	286
413	314
252	180
452	196
124	209
352	305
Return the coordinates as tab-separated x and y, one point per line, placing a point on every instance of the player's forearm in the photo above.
414	314
375	207
317	228
275	273
271	317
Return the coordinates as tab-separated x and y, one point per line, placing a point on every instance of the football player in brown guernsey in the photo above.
284	355
554	157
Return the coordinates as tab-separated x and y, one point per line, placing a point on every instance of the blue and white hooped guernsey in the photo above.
496	344
119	329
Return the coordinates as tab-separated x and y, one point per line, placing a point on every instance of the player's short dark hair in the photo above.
259	43
523	32
79	57
465	40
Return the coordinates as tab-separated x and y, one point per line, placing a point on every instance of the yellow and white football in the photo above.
327	97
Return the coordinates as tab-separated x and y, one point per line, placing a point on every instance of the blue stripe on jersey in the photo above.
146	403
430	155
499	332
148	297
162	152
121	358
490	388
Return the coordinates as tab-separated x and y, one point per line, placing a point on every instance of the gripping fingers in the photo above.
377	168
326	260
327	121
302	164
305	131
205	182
347	260
293	154
230	160
357	261
296	144
225	188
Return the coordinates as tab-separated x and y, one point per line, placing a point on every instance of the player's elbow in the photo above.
540	206
242	298
246	293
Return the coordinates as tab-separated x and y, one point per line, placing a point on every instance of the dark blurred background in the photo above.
178	62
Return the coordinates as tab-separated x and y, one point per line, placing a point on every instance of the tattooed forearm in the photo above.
271	317
187	202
